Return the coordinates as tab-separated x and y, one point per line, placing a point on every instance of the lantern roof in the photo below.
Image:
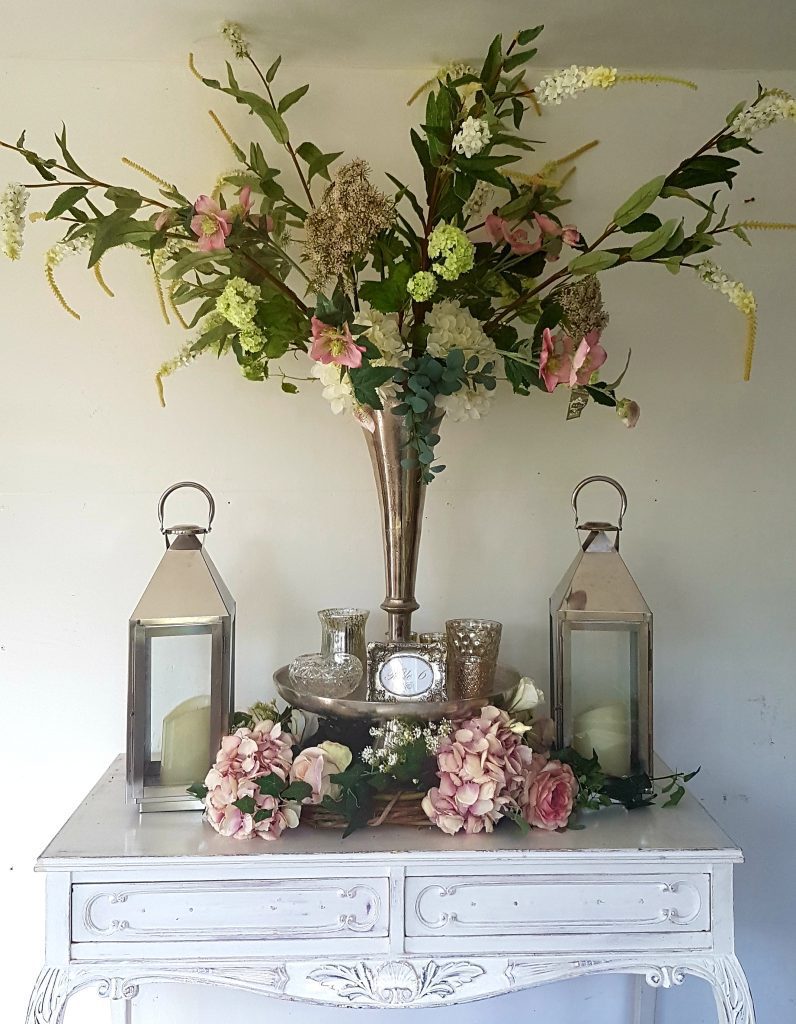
186	585
598	584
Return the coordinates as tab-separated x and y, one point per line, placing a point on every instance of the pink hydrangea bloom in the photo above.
210	224
481	766
517	239
244	757
589	356
334	345
548	794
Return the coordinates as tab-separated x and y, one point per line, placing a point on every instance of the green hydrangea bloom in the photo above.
452	251
238	303
422	286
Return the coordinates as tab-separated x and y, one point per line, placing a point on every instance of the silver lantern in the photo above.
180	687
601	651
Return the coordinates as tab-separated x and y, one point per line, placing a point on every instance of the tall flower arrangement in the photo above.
432	296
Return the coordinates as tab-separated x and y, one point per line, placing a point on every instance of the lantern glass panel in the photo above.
180	667
603	672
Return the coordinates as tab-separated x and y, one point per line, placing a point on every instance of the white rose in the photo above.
525	697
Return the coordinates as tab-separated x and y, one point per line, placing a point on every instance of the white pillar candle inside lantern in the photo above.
601	652
180	696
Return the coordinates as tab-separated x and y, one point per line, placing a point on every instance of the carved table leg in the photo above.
731	990
48	998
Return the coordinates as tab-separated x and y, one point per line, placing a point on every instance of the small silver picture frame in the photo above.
407	672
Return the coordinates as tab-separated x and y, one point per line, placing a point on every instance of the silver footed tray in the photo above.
378	710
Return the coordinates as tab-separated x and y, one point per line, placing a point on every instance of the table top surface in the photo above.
105	830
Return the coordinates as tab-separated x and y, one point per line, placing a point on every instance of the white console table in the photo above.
390	917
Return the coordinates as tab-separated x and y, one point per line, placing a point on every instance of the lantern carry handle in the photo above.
606	480
174	487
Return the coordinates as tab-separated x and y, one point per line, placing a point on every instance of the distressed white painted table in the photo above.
391	917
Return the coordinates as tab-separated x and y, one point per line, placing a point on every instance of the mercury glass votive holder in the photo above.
473	646
343	632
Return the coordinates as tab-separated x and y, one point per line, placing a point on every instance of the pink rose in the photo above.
316	765
548	794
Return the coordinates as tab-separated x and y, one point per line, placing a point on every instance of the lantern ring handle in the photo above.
187	483
606	480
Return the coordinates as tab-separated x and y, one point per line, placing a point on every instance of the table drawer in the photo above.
283	909
542	904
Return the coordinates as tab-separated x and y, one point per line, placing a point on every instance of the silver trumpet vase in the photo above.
401	497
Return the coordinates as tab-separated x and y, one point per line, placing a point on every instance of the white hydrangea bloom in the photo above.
568	82
738	294
385	334
336	388
13	203
452	326
471	138
778	106
466	404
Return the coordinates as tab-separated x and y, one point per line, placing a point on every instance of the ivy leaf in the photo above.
290	98
593	262
366	380
388	296
640	201
655	242
198	790
262	814
270	785
297	791
66	200
245	804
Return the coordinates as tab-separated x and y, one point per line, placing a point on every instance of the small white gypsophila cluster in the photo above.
472	137
13	203
568	82
777	106
392	739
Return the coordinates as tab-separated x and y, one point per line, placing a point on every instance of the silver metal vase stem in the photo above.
401	497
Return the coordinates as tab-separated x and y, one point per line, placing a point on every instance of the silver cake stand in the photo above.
375	710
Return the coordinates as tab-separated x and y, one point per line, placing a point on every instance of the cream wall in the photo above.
85	451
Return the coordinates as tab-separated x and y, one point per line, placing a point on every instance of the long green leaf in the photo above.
655	242
640	201
290	98
66	200
593	262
